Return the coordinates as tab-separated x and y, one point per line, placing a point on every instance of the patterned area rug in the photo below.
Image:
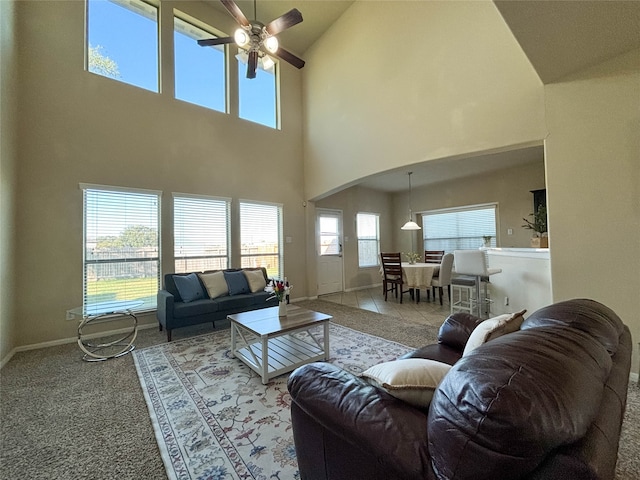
213	418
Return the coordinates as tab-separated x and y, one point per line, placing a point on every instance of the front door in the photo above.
329	251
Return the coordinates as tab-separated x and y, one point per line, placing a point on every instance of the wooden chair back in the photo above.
433	256
392	266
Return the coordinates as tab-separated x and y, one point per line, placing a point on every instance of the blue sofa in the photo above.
196	306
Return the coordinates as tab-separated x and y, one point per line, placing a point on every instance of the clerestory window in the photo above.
122	41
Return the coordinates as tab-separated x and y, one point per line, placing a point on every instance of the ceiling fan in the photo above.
257	38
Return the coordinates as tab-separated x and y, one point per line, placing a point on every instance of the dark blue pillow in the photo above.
237	282
189	287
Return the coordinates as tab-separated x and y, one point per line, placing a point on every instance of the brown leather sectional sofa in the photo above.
544	402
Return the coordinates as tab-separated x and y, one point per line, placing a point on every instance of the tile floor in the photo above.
373	299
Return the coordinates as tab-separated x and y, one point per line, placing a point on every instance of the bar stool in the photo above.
473	264
465	286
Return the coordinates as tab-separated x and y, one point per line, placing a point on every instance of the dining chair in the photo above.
433	256
472	272
444	277
392	274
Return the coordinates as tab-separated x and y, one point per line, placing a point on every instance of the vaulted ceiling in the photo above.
560	37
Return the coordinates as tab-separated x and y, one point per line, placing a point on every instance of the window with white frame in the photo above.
200	75
261	237
122	41
368	232
121	251
200	233
459	228
258	96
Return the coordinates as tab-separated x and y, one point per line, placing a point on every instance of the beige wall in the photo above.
510	188
79	127
593	181
8	161
397	83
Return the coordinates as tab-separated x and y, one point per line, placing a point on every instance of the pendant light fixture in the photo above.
410	225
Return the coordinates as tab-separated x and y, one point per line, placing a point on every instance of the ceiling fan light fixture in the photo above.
267	62
241	37
271	44
242	57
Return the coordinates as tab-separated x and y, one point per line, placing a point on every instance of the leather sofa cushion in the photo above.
456	329
589	316
503	408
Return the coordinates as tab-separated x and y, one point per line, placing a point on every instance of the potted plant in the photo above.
540	237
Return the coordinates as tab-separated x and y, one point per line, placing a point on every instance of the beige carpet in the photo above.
62	418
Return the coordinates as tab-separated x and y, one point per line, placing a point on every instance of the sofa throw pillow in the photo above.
237	282
493	328
189	287
412	380
255	279
215	284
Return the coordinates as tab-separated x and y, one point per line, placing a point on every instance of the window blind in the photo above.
121	253
201	233
261	237
460	228
367	231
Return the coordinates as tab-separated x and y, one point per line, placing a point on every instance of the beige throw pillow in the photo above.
493	328
215	284
255	279
412	380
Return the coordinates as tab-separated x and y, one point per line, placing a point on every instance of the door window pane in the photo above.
123	41
329	235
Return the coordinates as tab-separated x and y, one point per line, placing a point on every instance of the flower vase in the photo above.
412	261
282	309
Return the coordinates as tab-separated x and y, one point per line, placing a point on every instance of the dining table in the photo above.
418	275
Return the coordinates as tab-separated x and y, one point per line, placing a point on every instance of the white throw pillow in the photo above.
493	328
412	380
255	279
215	284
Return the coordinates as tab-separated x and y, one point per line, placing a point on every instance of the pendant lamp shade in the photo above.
410	225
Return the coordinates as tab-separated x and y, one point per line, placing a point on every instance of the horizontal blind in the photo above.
261	237
460	228
121	249
367	231
201	233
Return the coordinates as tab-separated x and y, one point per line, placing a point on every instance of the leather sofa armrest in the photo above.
368	418
164	312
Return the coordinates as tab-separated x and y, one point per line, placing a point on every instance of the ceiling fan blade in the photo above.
290	58
235	12
289	19
252	64
215	41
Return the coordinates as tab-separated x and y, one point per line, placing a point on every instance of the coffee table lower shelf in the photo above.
284	354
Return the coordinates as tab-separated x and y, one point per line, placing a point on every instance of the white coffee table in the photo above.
271	345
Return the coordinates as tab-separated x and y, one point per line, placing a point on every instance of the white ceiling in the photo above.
560	37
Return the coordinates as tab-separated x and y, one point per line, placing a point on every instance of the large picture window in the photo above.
200	75
200	233
459	228
368	231
261	237
122	41
121	247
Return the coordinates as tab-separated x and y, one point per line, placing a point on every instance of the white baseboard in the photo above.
64	341
355	289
